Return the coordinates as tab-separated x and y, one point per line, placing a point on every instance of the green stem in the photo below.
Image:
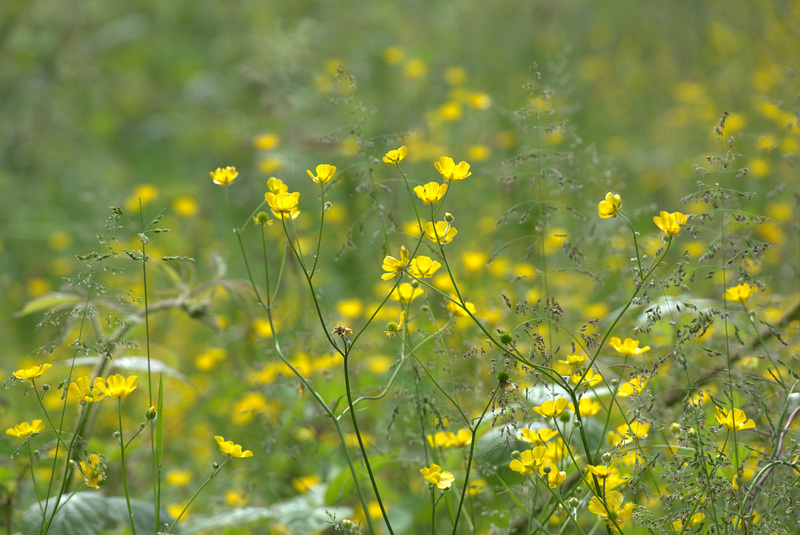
122	463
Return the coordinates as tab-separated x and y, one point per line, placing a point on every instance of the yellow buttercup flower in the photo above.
587	407
616	514
431	193
450	171
455	308
423	267
552	473
29	374
283	204
405	293
442	233
694	521
601	472
740	293
85	392
276	185
93	471
435	476
735	419
25	429
529	460
609	207
537	437
551	409
671	224
325	173
223	177
232	450
396	155
632	387
393	266
629	347
117	386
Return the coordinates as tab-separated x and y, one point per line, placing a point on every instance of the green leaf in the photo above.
302	515
90	513
49	302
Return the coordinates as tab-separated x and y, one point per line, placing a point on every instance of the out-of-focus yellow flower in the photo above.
735	419
450	171
325	172
396	156
405	293
448	439
632	387
608	207
423	267
479	153
671	224
236	498
415	68
479	100
93	471
431	193
695	520
435	476
185	206
283	204
393	266
83	391
455	75
551	409
539	437
551	472
276	185
144	194
740	293
29	374
232	450
629	347
223	177
266	141
590	379
117	386
179	478
303	484
587	407
455	308
393	55
616	514
25	429
529	460
443	233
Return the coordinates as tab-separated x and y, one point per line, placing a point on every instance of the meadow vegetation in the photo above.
327	268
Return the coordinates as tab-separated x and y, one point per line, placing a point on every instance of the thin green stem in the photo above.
122	463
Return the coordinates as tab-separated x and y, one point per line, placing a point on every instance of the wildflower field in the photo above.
397	268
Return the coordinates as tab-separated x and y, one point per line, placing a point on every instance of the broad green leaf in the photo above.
90	513
49	302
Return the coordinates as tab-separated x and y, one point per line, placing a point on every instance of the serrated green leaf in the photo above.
49	302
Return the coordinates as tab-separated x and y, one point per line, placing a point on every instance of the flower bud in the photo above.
151	413
607	457
448	217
